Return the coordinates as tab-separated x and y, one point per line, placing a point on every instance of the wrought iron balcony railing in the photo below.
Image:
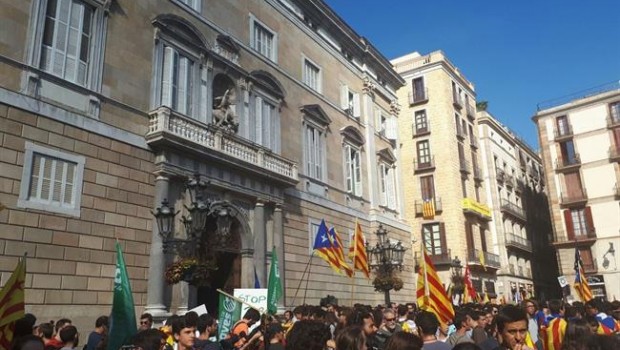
563	133
577	198
515	241
420	131
471	110
427	165
562	164
490	259
443	258
419	206
512	209
418	96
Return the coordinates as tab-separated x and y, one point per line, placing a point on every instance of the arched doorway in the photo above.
227	276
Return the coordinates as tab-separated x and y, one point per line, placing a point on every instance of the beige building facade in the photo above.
444	198
521	232
580	140
107	108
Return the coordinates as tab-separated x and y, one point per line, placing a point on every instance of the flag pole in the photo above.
354	242
302	278
239	300
308	278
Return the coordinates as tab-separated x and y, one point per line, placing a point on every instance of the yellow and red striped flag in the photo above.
428	209
12	303
432	291
357	251
334	237
470	292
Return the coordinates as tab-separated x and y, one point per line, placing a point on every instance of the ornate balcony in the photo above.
563	165
418	97
168	128
457	101
471	110
442	259
419	206
417	132
573	199
490	259
561	134
614	153
514	241
580	239
509	208
419	167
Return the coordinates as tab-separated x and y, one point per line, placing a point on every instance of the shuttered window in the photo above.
263	40
266	124
176	82
353	170
312	75
387	185
66	40
313	151
51	180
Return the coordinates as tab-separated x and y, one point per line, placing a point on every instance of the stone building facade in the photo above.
521	227
445	198
580	142
108	107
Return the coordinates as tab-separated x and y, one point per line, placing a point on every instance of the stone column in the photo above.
156	285
278	242
247	268
260	242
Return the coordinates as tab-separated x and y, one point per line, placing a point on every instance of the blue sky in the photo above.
516	52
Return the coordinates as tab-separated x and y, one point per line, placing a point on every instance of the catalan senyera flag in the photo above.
436	299
12	303
357	251
324	249
554	334
581	283
428	209
482	260
470	291
339	250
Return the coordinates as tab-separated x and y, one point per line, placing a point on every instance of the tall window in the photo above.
266	128
176	81
562	125
424	153
66	40
312	75
427	187
421	122
387	184
567	148
419	92
349	101
614	111
578	217
432	236
314	146
578	222
263	40
353	170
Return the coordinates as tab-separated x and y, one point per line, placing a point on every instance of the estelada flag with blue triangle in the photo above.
324	249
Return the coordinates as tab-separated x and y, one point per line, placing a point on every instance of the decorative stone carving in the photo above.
369	86
223	113
394	107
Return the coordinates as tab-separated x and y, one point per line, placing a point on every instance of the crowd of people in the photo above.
553	326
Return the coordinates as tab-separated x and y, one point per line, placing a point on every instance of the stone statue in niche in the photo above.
223	113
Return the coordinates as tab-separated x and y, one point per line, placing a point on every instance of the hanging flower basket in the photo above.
190	270
383	283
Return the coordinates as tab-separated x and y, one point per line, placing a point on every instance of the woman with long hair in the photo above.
351	338
403	341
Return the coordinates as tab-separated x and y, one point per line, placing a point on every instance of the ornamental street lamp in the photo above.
385	258
458	285
198	239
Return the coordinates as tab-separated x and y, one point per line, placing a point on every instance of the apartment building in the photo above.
444	195
108	108
580	143
521	228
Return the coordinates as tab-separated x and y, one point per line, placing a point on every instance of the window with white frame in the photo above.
194	4
266	126
314	145
313	229
387	185
51	180
353	170
349	101
312	75
263	39
176	80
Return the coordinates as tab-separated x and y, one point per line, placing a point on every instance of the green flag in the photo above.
123	319
274	287
230	312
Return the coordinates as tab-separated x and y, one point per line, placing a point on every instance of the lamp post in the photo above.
198	241
458	286
385	258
